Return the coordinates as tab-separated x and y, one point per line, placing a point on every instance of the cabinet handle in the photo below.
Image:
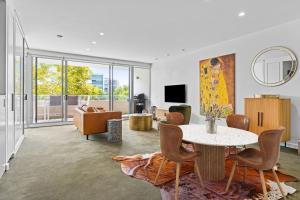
261	119
12	102
258	118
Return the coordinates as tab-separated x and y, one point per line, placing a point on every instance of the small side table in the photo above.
114	127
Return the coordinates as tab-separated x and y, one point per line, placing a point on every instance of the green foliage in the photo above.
121	92
49	79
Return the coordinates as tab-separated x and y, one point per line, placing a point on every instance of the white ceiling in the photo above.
143	30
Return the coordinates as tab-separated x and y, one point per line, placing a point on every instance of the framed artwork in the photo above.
217	84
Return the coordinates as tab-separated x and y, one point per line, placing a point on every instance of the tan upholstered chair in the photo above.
170	144
263	159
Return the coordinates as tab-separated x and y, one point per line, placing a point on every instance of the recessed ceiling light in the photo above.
101	34
94	42
59	36
87	49
242	14
168	54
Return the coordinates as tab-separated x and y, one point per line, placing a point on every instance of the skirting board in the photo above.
2	170
18	144
292	145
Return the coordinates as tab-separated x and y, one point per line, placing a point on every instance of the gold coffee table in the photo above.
140	122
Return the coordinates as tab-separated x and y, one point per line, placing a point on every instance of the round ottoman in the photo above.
140	122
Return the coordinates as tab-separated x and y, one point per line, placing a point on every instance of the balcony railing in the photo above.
49	107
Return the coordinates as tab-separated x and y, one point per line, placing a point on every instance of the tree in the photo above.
49	79
121	92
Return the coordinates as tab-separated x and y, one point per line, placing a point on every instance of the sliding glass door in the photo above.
18	83
86	84
61	85
120	88
48	90
141	88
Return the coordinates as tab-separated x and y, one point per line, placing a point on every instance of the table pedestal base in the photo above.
211	162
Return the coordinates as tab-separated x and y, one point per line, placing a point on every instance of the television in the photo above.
175	93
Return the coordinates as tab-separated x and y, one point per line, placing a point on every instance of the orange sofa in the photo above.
90	123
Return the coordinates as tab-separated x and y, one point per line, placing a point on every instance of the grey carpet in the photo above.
57	163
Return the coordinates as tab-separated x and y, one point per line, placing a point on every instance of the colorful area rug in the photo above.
145	167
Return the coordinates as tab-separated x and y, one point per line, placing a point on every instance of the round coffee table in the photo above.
212	147
140	122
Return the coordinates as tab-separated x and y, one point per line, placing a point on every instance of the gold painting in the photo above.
217	84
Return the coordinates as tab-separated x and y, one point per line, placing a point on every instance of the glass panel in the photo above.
141	89
18	49
87	84
121	89
49	90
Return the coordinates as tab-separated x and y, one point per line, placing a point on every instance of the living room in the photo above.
149	100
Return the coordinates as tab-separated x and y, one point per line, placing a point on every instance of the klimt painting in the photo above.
217	84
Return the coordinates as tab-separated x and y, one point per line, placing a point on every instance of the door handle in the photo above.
261	119
258	119
12	102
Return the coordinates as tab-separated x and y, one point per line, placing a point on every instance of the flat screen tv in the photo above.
175	93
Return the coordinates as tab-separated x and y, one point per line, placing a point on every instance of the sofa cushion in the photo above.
90	109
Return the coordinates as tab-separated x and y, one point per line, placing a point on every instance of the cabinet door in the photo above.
269	114
252	109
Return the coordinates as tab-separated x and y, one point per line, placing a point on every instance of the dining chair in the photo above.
177	118
239	122
171	149
263	159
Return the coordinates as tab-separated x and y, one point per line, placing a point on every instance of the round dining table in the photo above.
212	147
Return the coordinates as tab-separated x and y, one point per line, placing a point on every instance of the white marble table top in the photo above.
140	115
225	136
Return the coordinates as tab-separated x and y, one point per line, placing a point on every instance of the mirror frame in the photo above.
285	79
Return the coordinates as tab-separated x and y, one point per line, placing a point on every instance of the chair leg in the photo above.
278	183
178	165
159	169
263	184
87	137
231	176
198	173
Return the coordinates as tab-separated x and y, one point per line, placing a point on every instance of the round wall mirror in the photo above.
274	66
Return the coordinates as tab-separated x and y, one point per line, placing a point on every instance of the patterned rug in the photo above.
145	167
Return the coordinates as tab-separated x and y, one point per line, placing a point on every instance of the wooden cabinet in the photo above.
268	113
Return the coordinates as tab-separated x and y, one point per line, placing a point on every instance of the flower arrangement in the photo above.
214	113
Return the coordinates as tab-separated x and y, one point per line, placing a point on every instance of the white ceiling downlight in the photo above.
242	14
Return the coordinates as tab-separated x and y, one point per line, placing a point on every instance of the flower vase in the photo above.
211	126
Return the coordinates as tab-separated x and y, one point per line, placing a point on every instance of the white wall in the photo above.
2	87
2	46
141	80
184	69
